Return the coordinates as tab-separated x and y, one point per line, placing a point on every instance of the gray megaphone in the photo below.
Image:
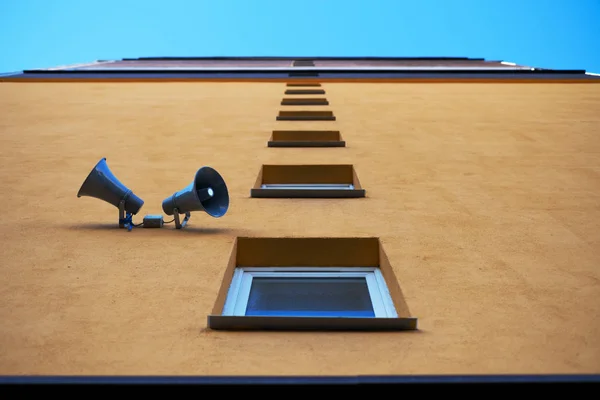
103	185
208	193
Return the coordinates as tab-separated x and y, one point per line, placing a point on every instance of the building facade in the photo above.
380	216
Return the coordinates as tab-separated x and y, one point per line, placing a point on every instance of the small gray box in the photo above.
153	221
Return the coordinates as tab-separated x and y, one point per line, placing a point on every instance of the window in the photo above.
305	84
306	138
307	181
311	101
305	91
309	292
310	283
305	116
303	74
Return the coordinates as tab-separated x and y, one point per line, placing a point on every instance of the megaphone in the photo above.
103	185
207	193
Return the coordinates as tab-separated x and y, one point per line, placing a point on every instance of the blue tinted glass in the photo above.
310	297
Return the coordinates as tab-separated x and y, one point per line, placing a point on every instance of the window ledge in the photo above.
306	116
307	193
304	102
305	91
306	143
227	322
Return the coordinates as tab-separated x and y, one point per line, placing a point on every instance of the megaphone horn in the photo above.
207	192
103	185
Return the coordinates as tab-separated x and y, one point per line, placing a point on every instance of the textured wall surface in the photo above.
486	198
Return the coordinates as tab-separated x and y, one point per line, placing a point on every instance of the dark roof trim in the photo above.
283	58
320	71
303	380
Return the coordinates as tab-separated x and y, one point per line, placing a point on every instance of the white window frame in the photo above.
241	283
308	186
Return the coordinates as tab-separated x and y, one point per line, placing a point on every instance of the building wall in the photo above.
486	198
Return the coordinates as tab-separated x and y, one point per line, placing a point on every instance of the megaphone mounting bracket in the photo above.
178	223
125	218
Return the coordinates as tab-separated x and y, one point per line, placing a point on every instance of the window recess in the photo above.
310	284
305	91
308	138
307	181
307	101
303	84
305	116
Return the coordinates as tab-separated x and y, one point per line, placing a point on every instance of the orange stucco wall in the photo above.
486	198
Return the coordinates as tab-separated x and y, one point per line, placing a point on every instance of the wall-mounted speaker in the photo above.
103	185
207	192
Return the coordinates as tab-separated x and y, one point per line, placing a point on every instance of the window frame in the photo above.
239	290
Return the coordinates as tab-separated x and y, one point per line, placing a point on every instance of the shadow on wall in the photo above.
188	228
205	330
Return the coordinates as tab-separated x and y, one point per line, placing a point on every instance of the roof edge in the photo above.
257	71
282	58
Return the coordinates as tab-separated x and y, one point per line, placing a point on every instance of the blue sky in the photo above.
541	33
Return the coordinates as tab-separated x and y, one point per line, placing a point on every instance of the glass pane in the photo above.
310	297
